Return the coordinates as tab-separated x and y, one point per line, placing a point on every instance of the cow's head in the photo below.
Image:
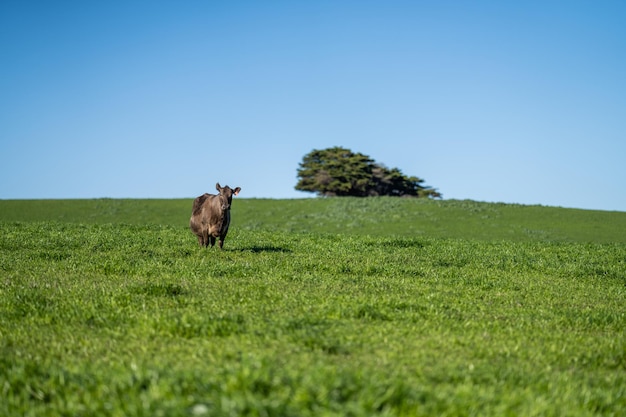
227	194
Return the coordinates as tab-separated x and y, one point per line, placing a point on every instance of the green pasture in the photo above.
316	307
381	216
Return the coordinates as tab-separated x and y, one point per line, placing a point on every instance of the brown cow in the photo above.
210	216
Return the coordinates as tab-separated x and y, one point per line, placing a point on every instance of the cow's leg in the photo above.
212	241
203	238
222	239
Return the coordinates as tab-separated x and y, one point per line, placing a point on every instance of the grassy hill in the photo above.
354	216
315	307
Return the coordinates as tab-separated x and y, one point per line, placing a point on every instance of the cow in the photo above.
210	216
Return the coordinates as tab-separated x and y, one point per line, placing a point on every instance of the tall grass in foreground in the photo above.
134	320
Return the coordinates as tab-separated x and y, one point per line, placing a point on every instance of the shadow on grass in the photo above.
400	242
266	248
161	290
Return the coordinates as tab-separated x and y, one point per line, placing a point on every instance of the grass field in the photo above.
316	307
352	216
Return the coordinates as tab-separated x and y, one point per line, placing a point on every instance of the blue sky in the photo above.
516	102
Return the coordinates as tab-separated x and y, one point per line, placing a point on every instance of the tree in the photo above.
340	172
335	172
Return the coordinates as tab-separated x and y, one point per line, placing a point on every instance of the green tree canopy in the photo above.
340	172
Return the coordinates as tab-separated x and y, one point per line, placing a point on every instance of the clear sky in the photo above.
502	101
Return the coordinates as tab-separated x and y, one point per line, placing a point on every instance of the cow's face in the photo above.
227	194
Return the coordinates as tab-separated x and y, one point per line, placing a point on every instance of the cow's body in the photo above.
210	216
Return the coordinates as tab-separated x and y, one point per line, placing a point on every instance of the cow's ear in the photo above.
236	190
217	186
